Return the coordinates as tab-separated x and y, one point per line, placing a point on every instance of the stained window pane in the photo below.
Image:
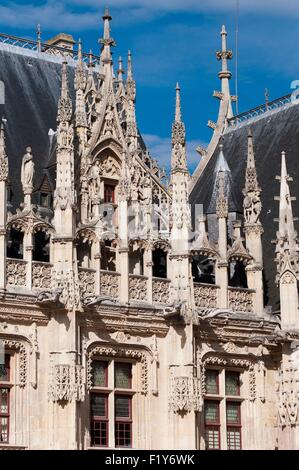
122	407
4	400
233	438
98	405
211	412
99	373
4	369
212	382
233	413
212	438
232	383
123	375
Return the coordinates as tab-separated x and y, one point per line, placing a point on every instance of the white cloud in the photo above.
160	150
51	15
266	6
79	15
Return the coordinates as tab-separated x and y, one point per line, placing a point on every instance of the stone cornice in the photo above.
23	313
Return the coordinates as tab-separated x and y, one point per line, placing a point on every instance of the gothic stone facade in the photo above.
125	321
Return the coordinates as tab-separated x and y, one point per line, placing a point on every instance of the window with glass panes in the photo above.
5	387
212	425
111	404
222	412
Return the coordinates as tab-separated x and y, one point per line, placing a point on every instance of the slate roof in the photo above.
273	132
32	88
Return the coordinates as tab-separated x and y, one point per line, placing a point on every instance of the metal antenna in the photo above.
237	54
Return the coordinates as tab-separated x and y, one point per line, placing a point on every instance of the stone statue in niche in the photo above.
252	208
27	171
109	120
95	179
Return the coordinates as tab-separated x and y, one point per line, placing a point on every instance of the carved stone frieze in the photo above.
184	394
16	272
41	275
66	383
161	291
110	284
205	296
138	288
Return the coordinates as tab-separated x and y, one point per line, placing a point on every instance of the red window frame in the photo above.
212	425
235	427
123	425
7	387
129	366
216	372
106	372
109	193
100	424
235	373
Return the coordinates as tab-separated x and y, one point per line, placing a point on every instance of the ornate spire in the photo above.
178	160
38	35
225	75
120	71
130	85
130	71
106	40
221	187
132	133
65	135
252	191
3	156
178	114
287	245
80	84
65	104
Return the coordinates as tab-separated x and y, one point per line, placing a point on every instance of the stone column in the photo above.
3	190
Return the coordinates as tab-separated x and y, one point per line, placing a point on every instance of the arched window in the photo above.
108	256
159	263
41	247
15	244
136	260
203	269
237	274
84	253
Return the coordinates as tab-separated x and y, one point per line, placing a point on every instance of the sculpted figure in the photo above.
27	170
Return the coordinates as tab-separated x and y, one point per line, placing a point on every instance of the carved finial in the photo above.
3	156
90	61
79	50
106	41
130	71
222	200
225	75
178	114
252	191
178	160
287	246
64	105
286	222
131	85
120	72
38	34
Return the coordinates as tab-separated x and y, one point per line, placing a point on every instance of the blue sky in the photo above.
176	40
